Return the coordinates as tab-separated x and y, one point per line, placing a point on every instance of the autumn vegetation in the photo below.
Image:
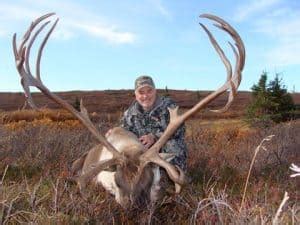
37	149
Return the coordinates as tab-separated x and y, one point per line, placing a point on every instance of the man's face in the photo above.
146	97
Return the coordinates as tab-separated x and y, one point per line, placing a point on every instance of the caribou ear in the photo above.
167	156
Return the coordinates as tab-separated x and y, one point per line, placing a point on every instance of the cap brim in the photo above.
144	85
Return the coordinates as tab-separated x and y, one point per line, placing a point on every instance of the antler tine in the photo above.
219	50
14	44
27	79
175	173
32	26
222	24
27	54
38	61
19	54
234	83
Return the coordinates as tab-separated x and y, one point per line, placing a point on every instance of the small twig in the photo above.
182	202
262	221
211	201
33	200
55	198
268	138
294	213
3	176
279	210
218	211
8	214
21	212
2	213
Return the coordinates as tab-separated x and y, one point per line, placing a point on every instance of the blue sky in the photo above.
101	45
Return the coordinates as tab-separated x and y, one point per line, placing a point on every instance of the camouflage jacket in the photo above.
155	122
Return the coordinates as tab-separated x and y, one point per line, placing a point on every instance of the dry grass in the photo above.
35	185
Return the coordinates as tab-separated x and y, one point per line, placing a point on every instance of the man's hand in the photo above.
147	140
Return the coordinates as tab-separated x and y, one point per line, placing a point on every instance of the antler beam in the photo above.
232	83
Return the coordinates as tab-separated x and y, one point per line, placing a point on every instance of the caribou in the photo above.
120	162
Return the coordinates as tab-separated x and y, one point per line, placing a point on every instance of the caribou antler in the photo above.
22	54
232	83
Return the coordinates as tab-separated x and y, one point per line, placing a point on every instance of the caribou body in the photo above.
120	163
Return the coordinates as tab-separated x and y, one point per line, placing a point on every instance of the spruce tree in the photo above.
282	102
270	102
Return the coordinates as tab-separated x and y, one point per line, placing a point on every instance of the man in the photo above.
148	117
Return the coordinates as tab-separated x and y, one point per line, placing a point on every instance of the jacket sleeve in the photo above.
125	121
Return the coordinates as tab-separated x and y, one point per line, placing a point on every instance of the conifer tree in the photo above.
270	102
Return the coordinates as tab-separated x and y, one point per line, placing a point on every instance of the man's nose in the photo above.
144	96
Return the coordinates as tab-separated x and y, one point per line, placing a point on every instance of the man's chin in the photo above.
146	106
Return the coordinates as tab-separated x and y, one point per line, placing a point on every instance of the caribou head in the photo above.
120	162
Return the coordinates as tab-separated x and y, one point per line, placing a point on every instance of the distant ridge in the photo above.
116	100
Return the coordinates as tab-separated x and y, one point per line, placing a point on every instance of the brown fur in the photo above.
133	180
92	157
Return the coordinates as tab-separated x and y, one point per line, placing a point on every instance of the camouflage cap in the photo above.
143	81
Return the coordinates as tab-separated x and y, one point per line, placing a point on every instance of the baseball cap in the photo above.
143	81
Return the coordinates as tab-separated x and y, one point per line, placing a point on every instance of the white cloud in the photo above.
281	28
63	34
75	18
14	12
161	8
3	32
276	22
110	34
247	10
284	55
